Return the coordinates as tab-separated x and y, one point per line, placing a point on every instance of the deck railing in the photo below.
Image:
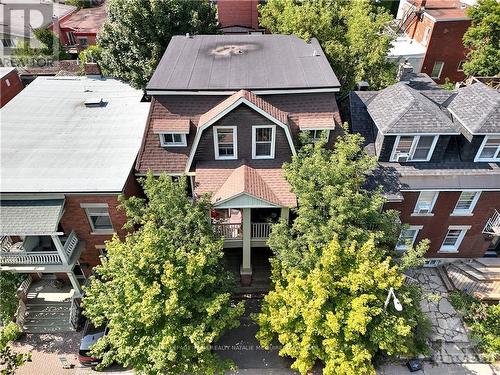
493	225
261	230
229	231
70	244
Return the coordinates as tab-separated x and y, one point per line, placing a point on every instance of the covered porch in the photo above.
32	242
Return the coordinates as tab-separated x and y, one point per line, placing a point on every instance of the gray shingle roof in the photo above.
400	109
477	107
30	217
234	62
360	120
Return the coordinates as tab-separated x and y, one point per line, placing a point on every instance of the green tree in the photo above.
334	312
162	291
352	34
137	32
483	39
9	282
9	360
50	47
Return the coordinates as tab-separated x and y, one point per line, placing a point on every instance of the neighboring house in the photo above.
239	16
20	18
11	85
227	111
439	162
430	37
68	149
79	30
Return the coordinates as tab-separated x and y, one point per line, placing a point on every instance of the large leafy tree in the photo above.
137	32
352	34
162	291
333	268
9	282
483	39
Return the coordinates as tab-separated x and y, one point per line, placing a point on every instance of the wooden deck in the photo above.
479	277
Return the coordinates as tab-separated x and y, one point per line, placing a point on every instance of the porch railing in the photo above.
261	230
70	244
229	231
493	225
74	313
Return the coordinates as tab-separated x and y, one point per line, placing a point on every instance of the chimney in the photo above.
405	72
92	69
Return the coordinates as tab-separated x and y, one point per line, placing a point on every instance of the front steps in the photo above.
47	317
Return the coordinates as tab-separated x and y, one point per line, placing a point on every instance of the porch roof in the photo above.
30	217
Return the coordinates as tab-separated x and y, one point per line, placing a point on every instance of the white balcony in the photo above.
234	231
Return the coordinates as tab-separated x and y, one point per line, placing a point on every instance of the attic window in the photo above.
93	102
173	140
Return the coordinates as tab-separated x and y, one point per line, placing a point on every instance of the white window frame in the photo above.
87	206
461	212
415	210
327	132
440	70
254	141
454	248
460	65
7	82
427	35
235	143
496	158
417	229
416	139
164	143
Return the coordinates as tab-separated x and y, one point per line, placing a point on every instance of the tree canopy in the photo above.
162	291
137	33
333	268
352	34
483	39
9	282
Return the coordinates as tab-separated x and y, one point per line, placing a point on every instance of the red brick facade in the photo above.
238	13
11	85
435	227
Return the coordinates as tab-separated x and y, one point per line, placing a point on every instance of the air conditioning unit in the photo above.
402	157
424	209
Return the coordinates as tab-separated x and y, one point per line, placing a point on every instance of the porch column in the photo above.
285	213
246	267
75	284
60	248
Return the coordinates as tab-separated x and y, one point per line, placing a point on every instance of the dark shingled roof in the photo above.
400	109
234	62
477	108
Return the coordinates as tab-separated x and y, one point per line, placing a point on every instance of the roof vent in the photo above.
93	102
316	53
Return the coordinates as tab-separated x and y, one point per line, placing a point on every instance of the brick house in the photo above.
79	30
10	85
227	111
68	149
431	33
439	162
239	16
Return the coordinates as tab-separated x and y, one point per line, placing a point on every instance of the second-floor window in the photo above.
406	237
413	148
425	202
466	202
173	140
437	69
99	218
490	149
263	139
453	239
225	142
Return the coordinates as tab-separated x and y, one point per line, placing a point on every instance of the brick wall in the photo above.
11	85
435	227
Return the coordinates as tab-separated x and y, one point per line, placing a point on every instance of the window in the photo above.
99	219
263	141
437	69
8	43
7	82
453	238
489	150
71	38
316	134
466	202
427	34
225	142
461	66
409	234
173	140
83	42
413	148
426	201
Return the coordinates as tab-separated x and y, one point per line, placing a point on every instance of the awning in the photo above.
30	217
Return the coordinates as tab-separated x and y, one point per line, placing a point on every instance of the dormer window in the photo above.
489	150
413	148
263	140
173	140
316	134
225	142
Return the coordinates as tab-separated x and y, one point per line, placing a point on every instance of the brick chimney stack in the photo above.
92	69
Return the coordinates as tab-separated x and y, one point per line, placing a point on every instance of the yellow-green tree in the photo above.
162	291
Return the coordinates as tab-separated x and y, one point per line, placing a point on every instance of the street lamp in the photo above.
397	304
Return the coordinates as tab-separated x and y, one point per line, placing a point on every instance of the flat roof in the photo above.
405	46
234	62
53	143
5	70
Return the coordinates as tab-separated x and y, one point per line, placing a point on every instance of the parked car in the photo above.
91	334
